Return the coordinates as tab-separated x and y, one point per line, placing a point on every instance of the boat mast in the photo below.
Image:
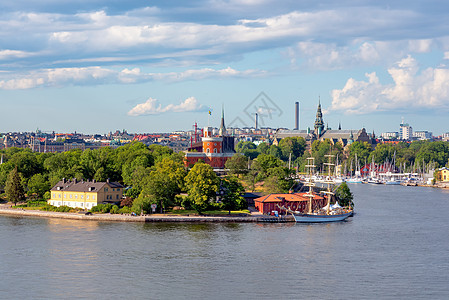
310	167
328	181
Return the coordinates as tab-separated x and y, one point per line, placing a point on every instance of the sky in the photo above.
96	66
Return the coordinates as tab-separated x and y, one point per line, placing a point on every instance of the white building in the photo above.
405	131
422	135
389	135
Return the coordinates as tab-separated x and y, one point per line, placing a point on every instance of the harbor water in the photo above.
395	247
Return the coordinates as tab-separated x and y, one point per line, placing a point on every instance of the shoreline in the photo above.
127	218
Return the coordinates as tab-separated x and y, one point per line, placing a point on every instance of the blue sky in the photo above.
96	66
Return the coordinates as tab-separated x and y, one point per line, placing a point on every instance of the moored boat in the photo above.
329	213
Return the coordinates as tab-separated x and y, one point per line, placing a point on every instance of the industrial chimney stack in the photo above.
256	120
296	116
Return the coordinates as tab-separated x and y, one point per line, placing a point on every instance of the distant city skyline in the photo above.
97	66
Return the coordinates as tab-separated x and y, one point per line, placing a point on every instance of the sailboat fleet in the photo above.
328	213
387	173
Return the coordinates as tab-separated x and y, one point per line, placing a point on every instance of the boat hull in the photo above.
309	218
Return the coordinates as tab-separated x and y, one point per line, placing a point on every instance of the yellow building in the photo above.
444	172
85	194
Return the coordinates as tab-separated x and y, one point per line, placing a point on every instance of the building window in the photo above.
105	189
208	144
87	196
59	196
93	197
76	196
70	196
207	150
82	196
215	150
65	196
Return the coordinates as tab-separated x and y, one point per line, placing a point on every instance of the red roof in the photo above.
298	197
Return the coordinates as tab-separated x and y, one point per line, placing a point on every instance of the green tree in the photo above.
14	189
237	164
362	149
275	151
244	145
344	195
263	148
163	183
253	173
231	191
292	145
279	180
434	152
202	186
38	185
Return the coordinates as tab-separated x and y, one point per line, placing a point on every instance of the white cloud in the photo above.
153	107
8	54
99	75
330	56
411	90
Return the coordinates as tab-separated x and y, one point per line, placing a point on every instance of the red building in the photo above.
213	150
296	202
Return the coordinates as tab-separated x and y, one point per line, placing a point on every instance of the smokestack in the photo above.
296	115
256	120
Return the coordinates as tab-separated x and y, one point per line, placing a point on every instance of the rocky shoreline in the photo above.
127	218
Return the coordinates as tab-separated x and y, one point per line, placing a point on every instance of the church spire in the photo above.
222	130
319	123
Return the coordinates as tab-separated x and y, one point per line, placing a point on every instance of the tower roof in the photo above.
319	123
222	130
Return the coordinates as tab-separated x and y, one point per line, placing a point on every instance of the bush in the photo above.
47	195
102	208
186	203
36	203
125	210
127	201
114	209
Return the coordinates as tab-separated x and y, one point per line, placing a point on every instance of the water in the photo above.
395	247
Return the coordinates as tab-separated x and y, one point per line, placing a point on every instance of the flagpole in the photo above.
208	118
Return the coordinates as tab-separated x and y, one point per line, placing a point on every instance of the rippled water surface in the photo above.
395	247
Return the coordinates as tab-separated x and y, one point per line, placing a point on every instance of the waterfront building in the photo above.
295	202
85	194
443	174
213	149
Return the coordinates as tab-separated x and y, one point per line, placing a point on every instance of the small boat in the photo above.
354	180
329	213
374	180
392	181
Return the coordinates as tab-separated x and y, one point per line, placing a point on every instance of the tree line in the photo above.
273	164
156	175
152	175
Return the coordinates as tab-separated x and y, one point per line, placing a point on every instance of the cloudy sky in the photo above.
158	66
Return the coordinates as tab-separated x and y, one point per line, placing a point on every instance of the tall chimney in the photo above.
296	115
256	120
